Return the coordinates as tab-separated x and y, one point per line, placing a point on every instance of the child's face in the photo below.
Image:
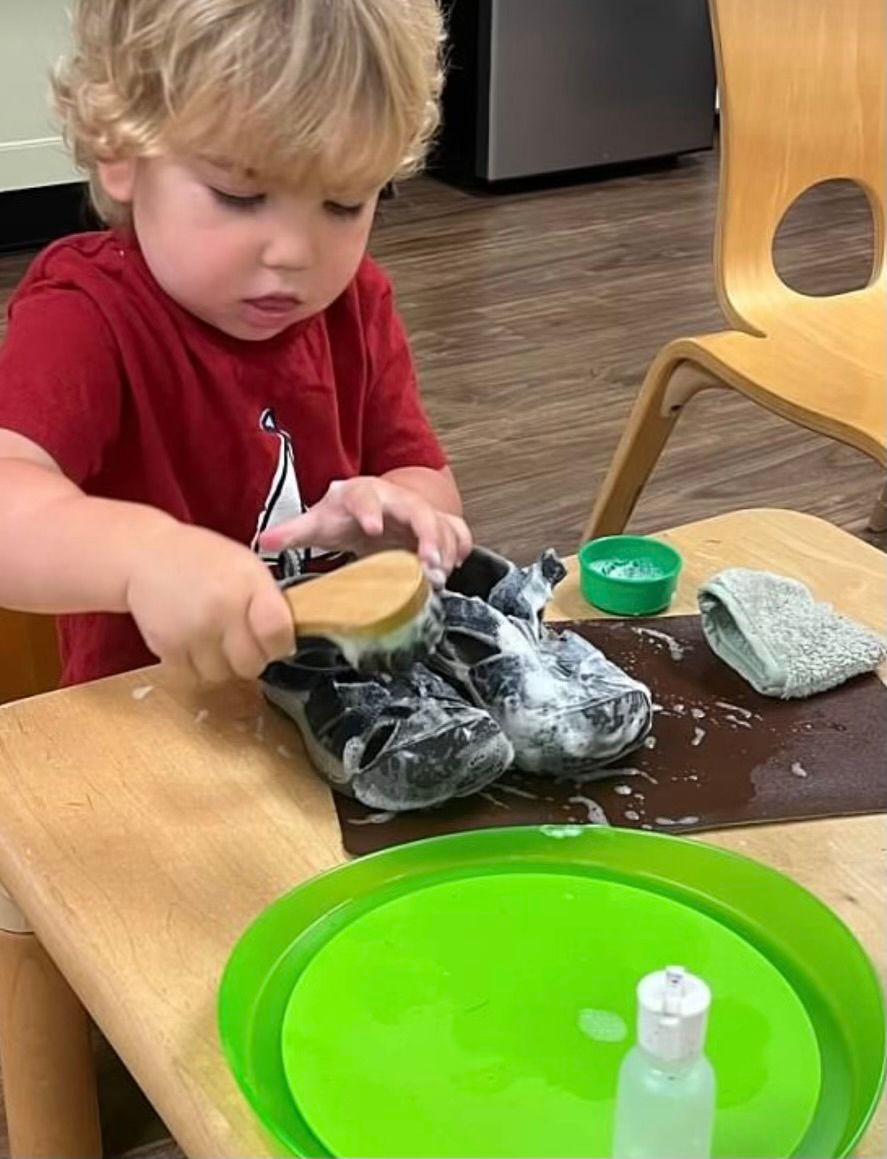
249	259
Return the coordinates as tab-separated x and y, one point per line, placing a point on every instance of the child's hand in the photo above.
204	602
365	514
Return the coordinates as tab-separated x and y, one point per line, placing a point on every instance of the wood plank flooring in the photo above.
534	315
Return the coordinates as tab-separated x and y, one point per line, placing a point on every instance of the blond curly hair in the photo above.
277	86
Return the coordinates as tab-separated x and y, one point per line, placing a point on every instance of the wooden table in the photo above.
146	823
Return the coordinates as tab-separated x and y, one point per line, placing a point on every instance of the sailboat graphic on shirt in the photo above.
284	498
284	502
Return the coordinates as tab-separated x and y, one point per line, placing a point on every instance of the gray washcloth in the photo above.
778	638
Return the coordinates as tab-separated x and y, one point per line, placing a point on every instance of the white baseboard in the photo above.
34	163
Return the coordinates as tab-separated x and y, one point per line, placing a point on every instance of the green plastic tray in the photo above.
473	994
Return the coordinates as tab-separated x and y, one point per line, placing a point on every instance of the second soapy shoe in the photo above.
394	742
565	708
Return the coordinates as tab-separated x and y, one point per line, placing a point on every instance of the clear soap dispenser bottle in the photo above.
665	1101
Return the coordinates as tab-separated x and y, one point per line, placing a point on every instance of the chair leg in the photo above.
669	385
878	517
46	1053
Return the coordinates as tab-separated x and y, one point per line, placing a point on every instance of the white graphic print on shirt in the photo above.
283	501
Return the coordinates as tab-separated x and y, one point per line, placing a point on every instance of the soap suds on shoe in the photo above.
564	706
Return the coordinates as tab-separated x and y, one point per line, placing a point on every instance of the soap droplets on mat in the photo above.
737	720
735	775
675	648
516	792
493	800
736	708
596	815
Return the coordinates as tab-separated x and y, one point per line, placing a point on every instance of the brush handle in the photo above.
367	599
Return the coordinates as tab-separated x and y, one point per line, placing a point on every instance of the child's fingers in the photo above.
271	623
209	662
299	532
365	507
464	541
433	551
242	651
178	658
448	544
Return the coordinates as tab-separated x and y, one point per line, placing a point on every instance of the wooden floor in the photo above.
534	315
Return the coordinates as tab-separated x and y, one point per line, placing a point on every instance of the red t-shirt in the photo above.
137	399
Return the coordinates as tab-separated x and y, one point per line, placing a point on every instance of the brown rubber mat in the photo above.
720	755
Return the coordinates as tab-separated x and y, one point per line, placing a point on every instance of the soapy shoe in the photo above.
394	742
565	708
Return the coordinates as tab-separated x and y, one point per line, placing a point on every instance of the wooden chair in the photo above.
29	658
802	101
46	1048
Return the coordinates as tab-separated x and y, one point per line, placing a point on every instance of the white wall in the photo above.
33	33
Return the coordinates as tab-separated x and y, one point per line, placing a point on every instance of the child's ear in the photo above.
118	179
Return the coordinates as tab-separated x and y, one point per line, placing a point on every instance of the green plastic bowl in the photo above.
629	575
474	995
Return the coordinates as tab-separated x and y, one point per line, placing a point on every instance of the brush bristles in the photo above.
398	650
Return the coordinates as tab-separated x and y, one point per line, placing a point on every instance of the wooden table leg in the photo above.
47	1057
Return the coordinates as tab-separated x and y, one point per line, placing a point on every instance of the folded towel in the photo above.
778	638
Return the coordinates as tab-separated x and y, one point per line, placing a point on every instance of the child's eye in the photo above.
237	200
338	209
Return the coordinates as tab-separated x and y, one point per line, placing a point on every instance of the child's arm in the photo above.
438	487
200	600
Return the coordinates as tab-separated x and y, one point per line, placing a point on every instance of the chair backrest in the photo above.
29	658
801	87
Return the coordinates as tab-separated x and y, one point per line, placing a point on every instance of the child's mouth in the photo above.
272	309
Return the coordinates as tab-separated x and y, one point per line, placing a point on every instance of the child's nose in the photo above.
290	249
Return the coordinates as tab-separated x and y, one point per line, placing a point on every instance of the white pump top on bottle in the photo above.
673	1014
